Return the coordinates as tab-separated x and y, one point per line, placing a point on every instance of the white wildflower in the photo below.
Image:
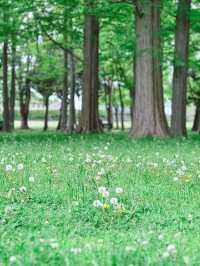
13	259
119	190
102	189
20	167
97	204
113	201
31	179
8	168
22	189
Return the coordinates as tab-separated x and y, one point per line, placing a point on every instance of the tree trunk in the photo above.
122	107
196	123
178	126
109	107
46	117
59	120
6	110
24	95
64	105
13	87
89	116
149	118
116	108
72	114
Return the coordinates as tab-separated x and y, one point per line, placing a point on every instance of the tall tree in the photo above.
178	126
89	116
6	109
149	118
13	85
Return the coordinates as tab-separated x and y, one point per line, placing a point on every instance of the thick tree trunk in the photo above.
72	114
178	126
6	109
46	116
89	117
122	107
196	123
64	106
149	118
24	95
13	87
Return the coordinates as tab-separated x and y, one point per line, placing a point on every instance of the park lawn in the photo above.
49	183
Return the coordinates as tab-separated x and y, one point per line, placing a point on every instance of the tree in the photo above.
178	126
89	116
149	118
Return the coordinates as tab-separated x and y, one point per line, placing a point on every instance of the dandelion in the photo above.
105	194
8	168
113	201
165	254
13	259
97	204
171	249
129	249
20	167
8	209
22	189
106	206
31	179
160	237
75	250
102	189
119	190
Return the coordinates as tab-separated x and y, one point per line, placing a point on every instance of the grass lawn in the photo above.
55	210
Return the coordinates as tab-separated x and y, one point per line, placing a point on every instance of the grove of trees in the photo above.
111	53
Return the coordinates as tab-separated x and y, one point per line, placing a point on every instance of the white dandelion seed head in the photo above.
119	190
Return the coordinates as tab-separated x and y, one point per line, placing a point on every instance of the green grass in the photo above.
54	221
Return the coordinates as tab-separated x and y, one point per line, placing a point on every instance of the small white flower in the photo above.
119	190
160	237
31	179
190	217
166	254
105	194
97	204
8	209
22	189
129	249
171	249
102	189
8	168
20	167
113	201
75	250
13	259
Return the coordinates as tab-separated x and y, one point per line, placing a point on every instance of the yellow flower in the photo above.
105	206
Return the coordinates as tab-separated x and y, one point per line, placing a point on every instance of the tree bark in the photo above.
122	107
46	117
6	109
24	96
149	117
178	123
64	105
13	86
89	116
196	123
72	114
